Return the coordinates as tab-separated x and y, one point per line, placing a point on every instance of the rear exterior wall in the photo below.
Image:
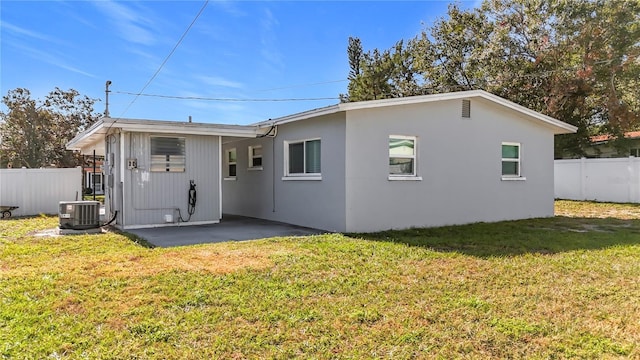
268	194
458	159
149	196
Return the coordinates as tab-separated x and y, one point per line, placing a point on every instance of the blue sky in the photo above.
235	50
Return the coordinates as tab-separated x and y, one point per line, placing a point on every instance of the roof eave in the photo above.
328	110
81	140
103	126
559	127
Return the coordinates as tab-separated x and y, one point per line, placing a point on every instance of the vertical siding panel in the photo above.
38	191
156	194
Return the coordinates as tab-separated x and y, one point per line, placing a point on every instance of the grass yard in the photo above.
90	197
564	287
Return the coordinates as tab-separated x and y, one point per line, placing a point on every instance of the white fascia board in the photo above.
410	100
564	127
172	127
300	116
87	137
559	127
97	131
370	104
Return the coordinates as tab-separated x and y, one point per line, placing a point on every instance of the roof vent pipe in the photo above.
189	118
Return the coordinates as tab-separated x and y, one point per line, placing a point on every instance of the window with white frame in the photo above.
96	181
93	180
402	155
232	159
167	154
302	157
255	157
510	159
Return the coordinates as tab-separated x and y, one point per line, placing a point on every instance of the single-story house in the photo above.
601	147
93	177
366	166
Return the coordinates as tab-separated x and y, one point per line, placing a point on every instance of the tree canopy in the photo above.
577	61
33	133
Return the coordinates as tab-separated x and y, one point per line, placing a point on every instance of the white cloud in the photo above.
50	58
130	25
220	82
26	32
268	39
229	7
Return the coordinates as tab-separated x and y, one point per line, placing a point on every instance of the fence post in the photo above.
583	179
23	194
634	180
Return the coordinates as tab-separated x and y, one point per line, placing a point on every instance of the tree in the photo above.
605	36
380	74
403	80
451	54
369	73
578	61
34	133
355	55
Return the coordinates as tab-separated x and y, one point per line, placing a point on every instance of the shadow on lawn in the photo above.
511	238
132	237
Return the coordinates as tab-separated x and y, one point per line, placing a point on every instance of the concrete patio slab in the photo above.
230	228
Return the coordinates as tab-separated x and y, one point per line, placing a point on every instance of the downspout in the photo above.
273	173
220	176
93	176
122	187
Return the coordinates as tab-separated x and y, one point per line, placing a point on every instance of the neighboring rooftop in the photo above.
607	137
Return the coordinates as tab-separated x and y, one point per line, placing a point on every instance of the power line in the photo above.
303	85
224	99
167	58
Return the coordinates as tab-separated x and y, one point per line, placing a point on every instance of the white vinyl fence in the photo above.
609	180
38	191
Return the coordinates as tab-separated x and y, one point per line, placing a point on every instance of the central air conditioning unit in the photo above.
79	215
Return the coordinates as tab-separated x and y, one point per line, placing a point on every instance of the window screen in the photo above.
304	157
255	156
167	154
510	159
402	155
232	162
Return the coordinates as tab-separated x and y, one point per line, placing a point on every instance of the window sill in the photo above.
257	168
229	179
405	178
513	178
302	178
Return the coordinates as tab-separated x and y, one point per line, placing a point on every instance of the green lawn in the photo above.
90	197
565	287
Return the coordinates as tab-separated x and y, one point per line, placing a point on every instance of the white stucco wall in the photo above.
264	194
459	160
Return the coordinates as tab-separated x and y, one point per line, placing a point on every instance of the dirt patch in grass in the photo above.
151	263
586	209
207	260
